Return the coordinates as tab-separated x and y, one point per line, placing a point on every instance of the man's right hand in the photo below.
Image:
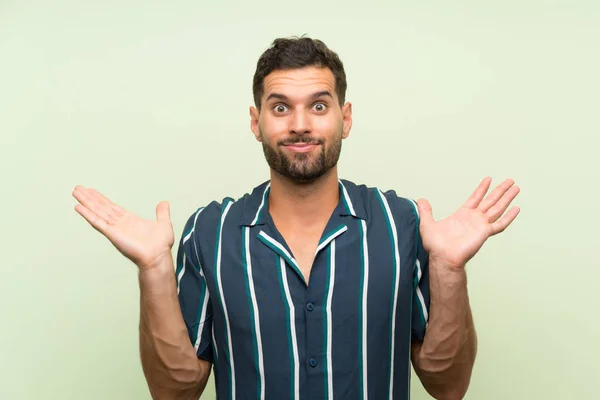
142	241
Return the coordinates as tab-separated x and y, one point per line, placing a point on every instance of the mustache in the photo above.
304	140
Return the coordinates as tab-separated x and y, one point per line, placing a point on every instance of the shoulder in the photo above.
377	199
229	211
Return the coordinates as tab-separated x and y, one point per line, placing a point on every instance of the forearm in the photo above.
444	361
169	361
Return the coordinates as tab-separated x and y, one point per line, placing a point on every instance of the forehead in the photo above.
300	82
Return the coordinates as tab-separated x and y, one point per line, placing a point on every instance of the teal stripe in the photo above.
179	264
415	277
260	212
282	254
415	271
417	230
360	296
288	325
410	326
360	309
344	199
391	236
420	306
326	290
226	346
189	229
200	308
330	234
252	310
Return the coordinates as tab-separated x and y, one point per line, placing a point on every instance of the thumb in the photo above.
163	212
425	212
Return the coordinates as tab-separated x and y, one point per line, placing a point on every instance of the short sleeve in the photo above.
421	297
192	291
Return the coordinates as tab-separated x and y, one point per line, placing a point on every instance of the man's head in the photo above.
300	115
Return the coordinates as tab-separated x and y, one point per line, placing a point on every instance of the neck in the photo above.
304	203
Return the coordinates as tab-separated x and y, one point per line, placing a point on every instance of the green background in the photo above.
148	101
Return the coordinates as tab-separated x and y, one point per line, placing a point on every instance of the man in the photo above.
311	286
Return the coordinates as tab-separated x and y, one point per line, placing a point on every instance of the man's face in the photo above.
301	124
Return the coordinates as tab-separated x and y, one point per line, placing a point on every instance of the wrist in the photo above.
446	266
162	261
157	278
158	268
442	273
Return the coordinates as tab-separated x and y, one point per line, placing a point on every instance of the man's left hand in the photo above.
453	241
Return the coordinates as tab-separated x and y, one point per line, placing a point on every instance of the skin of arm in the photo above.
444	360
169	361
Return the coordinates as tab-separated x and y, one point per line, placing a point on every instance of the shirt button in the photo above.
312	362
310	306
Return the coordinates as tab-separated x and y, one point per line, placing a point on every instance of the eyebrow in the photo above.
323	93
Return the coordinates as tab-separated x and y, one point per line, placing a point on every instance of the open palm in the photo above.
453	241
142	241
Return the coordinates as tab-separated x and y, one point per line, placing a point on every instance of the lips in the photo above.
301	147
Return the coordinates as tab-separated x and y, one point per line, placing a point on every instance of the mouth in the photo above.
301	147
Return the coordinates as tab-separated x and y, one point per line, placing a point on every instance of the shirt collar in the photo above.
256	204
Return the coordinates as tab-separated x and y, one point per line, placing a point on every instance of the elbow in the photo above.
174	384
447	382
446	378
173	379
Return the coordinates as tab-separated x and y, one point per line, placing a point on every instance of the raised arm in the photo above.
169	361
444	359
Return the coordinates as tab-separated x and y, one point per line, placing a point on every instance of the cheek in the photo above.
273	129
328	124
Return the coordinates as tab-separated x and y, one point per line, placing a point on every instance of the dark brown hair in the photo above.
298	52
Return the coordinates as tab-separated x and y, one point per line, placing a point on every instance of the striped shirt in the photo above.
344	334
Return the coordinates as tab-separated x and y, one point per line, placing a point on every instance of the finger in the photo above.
112	208
98	223
502	205
500	225
163	212
425	212
475	198
90	202
495	195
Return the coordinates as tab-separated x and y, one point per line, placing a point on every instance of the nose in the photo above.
300	123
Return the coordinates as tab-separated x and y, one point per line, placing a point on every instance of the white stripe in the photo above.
181	273
292	328
329	327
347	199
414	203
365	291
419	273
193	230
202	318
364	308
280	247
330	238
262	203
261	369
185	239
214	342
420	295
219	283
397	258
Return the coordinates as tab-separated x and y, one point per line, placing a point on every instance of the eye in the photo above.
320	107
280	108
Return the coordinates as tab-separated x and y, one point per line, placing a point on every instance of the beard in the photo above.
303	167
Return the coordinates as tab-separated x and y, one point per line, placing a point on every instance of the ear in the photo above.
347	117
254	113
